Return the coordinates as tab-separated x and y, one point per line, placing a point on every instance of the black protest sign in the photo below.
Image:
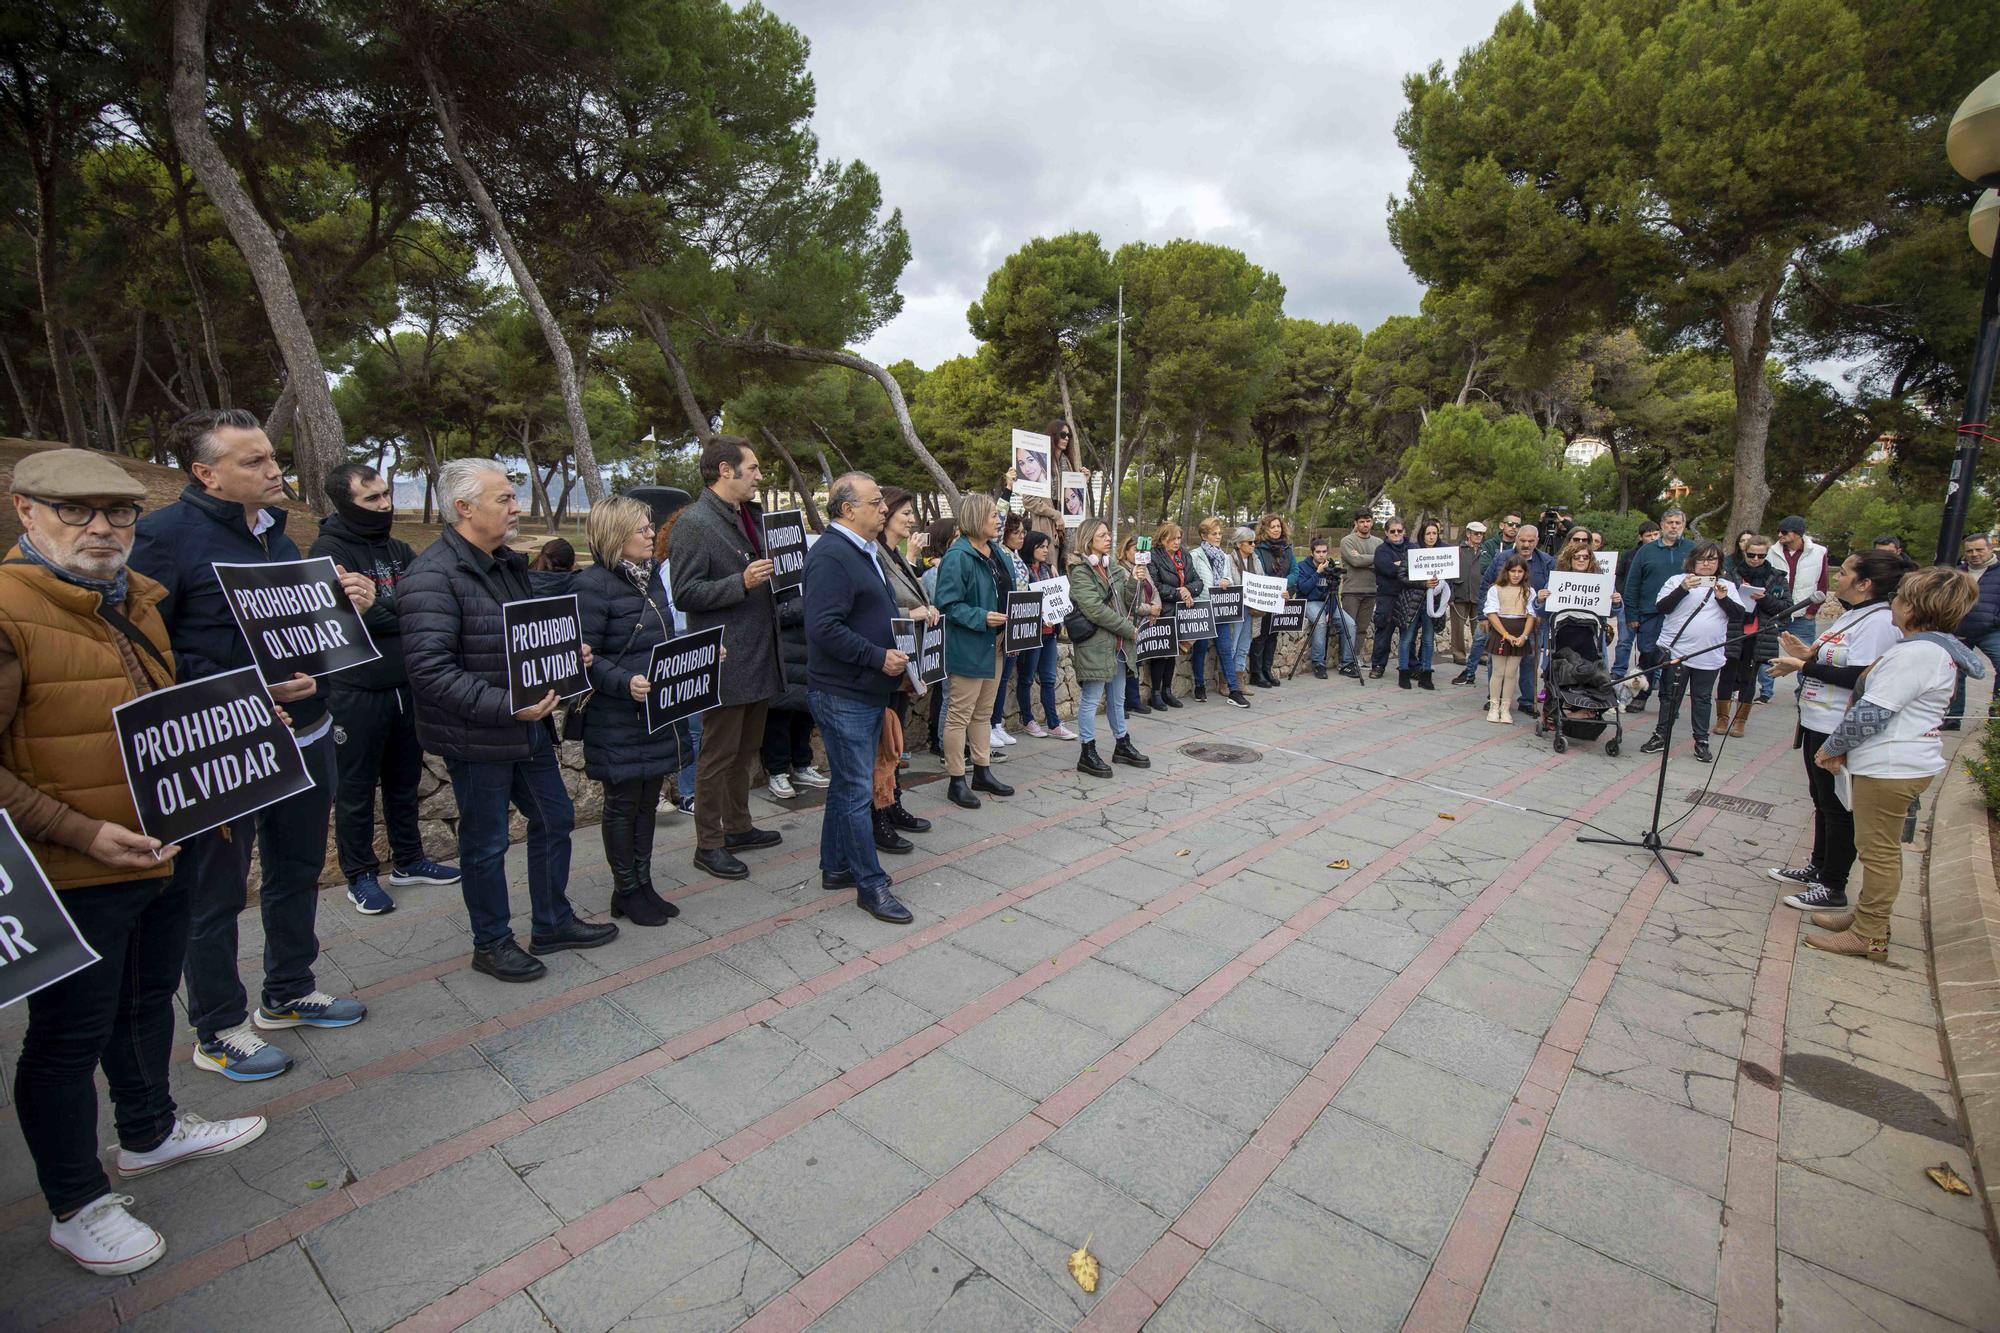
544	650
1024	622
1156	639
905	634
1194	622
204	753
39	944
296	618
686	677
1225	606
1293	617
930	653
785	548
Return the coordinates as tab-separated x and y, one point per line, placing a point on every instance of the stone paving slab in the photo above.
1481	1077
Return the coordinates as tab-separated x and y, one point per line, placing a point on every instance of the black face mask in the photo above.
364	522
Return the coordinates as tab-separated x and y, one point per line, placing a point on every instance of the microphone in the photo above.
1805	603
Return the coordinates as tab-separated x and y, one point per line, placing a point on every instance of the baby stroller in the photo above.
1578	699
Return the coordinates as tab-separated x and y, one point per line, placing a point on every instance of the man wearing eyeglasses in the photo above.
230	512
79	636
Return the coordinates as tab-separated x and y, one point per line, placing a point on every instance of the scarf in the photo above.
112	590
369	524
638	572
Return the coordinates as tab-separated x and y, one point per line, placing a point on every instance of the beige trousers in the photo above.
1880	805
971	700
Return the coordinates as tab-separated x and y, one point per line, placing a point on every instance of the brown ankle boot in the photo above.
1740	716
1850	943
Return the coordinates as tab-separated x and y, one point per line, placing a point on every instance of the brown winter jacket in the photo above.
63	668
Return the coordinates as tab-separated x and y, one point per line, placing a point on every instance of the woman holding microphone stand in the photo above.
1702	610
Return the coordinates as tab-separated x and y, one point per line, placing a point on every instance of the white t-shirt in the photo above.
1698	625
1915	680
1856	639
1492	605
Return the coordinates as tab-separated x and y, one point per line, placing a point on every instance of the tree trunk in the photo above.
75	428
1187	483
531	292
1264	450
799	486
187	103
1299	478
132	379
199	288
1078	440
106	409
698	418
28	422
1746	331
283	412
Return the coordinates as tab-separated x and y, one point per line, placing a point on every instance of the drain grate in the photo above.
1735	805
1220	752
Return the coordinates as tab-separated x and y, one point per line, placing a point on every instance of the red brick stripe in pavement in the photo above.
825	1285
159	1287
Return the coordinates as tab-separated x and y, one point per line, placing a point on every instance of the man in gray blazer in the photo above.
722	576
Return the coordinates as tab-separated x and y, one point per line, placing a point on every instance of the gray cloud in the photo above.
1269	127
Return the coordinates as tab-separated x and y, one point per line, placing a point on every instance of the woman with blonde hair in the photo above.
973	581
1106	595
1179	581
623	613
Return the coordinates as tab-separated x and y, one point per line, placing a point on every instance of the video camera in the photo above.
1554	525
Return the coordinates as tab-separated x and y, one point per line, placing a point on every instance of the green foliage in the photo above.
1850	516
1467	463
1985	766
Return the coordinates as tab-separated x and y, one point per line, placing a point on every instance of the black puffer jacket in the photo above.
455	650
622	626
792	652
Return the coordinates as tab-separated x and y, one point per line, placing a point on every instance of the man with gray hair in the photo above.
231	513
449	604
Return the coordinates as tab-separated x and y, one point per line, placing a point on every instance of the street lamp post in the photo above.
1973	145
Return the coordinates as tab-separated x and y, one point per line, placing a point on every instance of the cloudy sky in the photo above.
1266	126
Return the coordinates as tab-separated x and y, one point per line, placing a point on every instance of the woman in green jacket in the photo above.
972	585
1104	593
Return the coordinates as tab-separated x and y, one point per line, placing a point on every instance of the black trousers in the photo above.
117	1014
1385	632
375	745
1160	672
1264	652
1682	680
788	740
630	809
1833	823
1738	680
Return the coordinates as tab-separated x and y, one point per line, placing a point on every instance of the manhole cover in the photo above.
1220	752
1735	805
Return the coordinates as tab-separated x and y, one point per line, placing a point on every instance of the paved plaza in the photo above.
1288	1043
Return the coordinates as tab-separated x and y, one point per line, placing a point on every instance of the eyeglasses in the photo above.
1395	532
1753	555
79	515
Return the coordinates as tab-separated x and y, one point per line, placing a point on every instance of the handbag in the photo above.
1078	626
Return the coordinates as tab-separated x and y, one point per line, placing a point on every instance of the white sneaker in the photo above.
192	1137
999	736
1038	731
780	786
104	1238
810	777
1062	733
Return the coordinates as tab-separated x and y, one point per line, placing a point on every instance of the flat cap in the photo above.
1793	523
74	474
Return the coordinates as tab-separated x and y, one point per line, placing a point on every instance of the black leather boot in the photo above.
1424	681
904	820
886	837
1402	680
983	780
960	793
1088	762
1127	753
1156	701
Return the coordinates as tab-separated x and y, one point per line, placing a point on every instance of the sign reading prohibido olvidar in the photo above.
204	753
1156	639
544	650
785	547
1024	622
39	944
296	618
686	677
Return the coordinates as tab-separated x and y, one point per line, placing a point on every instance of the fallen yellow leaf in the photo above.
1941	1176
1444	814
1182	852
1083	1266
1341	864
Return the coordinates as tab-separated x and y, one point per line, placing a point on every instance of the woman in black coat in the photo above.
624	614
787	751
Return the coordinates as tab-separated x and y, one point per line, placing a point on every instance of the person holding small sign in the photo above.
1178	577
455	646
80	635
906	585
1274	559
623	614
1038	667
1106	595
973	581
231	513
1699	610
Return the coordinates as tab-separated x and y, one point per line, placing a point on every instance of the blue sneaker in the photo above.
317	1010
241	1056
425	871
368	896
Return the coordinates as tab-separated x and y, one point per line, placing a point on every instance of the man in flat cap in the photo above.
80	635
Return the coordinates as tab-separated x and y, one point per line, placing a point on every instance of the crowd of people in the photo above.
101	603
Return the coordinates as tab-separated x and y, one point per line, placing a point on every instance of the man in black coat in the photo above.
722	577
374	721
230	513
853	669
454	646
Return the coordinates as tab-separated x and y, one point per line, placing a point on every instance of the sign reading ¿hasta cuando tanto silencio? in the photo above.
39	944
544	650
1263	592
1024	622
785	548
685	676
296	618
204	753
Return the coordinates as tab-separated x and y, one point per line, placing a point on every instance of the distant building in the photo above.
1676	489
1585	450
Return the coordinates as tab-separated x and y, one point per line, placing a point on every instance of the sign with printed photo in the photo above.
296	618
1075	499
1031	464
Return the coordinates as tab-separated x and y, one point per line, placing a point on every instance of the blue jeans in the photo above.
1990	645
684	781
1414	643
1225	654
1113	693
1007	670
1528	668
1243	634
1038	667
483	791
850	729
1766	686
1318	620
1197	659
1475	654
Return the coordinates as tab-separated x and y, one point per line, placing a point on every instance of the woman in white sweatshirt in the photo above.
1702	610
